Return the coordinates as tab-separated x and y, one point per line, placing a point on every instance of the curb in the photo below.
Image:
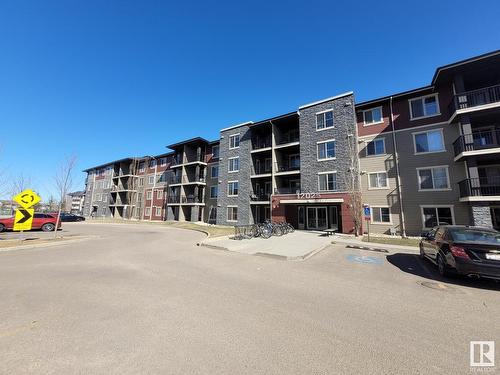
298	258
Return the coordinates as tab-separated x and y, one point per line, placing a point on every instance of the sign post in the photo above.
24	216
368	216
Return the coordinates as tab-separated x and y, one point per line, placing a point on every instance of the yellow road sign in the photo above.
23	219
27	198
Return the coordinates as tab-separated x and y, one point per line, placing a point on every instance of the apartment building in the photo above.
74	202
420	157
431	154
139	188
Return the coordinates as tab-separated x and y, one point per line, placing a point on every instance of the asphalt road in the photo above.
146	299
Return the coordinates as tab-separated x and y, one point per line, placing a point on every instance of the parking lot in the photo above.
146	299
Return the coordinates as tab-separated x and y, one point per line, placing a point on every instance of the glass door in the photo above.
317	218
301	217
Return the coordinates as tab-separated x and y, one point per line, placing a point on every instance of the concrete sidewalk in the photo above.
298	245
351	240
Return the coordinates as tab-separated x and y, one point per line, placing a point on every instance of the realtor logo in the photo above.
482	353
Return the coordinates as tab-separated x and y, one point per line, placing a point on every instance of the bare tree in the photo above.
63	180
18	184
354	186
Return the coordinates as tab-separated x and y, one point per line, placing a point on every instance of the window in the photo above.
141	166
152	163
105	198
141	181
377	180
433	178
214	172
234	164
375	147
147	211
163	161
215	152
232	213
157	211
97	197
373	116
163	177
149	195
234	141
327	181
151	180
437	215
381	215
232	188
106	184
424	107
324	120
108	170
159	194
429	141
293	161
214	192
326	150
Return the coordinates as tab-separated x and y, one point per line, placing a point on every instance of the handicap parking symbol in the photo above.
364	259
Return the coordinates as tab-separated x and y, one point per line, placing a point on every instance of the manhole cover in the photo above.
438	286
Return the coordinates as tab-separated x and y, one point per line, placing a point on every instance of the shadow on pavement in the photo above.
411	263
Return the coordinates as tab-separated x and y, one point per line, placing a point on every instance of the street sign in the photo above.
366	210
23	219
27	198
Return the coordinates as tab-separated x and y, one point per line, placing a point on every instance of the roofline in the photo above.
403	93
237	126
289	114
326	100
462	62
191	140
111	162
214	142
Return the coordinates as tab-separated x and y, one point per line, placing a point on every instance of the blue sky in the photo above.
107	79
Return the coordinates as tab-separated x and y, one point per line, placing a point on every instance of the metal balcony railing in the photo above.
260	170
120	187
477	141
479	187
260	197
173	199
288	138
191	199
286	167
259	143
474	98
286	190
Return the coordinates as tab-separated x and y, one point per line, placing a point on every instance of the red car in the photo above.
45	222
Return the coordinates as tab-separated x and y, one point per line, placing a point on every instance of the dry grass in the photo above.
393	240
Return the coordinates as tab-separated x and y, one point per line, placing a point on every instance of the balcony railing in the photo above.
261	143
261	170
175	180
287	167
479	187
191	199
173	199
474	98
260	197
287	190
288	138
478	140
120	187
185	179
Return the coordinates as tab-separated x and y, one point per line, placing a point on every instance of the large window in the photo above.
234	141
159	194
377	180
158	211
234	164
142	166
433	178
424	107
214	192
215	152
149	195
327	181
324	120
152	163
232	213
214	171
373	116
381	215
375	147
429	141
437	215
326	150
232	188
151	180
141	181
163	162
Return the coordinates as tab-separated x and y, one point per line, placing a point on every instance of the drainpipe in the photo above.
398	179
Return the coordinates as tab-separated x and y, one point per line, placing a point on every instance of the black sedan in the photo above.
463	250
66	216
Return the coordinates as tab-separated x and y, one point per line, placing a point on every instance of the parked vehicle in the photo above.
463	250
66	216
45	222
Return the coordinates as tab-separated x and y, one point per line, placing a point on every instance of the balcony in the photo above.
260	144
289	139
122	174
260	198
480	189
121	187
287	190
283	169
261	171
478	143
190	199
470	101
186	180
